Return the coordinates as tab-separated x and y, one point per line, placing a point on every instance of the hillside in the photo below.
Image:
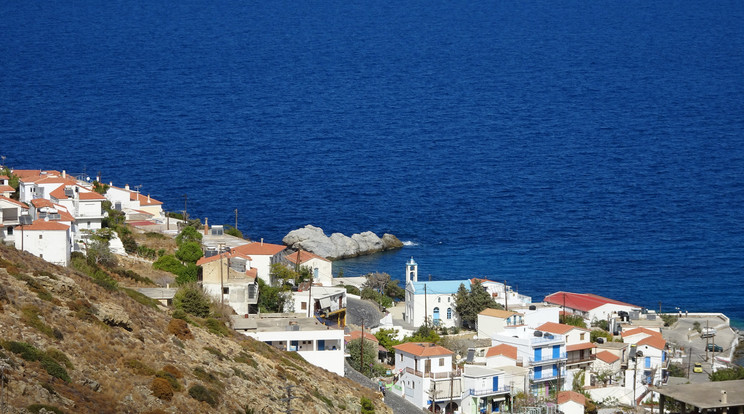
71	344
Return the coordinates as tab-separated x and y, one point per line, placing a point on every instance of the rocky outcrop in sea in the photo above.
339	246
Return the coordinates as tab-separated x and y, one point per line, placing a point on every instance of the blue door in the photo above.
436	316
495	383
293	345
647	362
538	372
556	351
555	370
321	344
538	354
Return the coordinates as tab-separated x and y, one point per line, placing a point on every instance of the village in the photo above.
573	352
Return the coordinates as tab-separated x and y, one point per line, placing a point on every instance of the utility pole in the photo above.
452	385
361	351
222	286
185	211
289	399
707	339
236	219
310	297
506	296
426	307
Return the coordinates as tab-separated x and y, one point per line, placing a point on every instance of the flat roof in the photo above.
158	293
277	323
706	395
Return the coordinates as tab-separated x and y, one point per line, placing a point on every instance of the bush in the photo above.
30	316
192	300
130	245
189	252
171	369
202	393
168	263
161	389
216	327
60	357
170	378
373	295
134	276
599	333
367	406
24	350
351	289
54	369
188	234
180	329
188	274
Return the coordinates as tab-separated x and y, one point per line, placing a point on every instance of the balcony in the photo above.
548	359
546	376
487	392
434	375
576	359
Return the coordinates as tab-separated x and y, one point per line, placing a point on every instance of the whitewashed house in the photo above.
230	278
129	201
48	240
579	348
493	321
40	184
262	255
503	294
326	302
433	302
321	268
427	378
85	205
589	306
320	345
650	351
571	402
10	218
5	189
485	390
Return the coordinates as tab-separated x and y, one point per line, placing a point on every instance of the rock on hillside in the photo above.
338	245
70	345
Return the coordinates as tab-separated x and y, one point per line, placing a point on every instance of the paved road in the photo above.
683	335
398	404
358	311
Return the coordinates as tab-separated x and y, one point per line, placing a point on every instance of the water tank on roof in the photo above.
533	307
538	334
600	340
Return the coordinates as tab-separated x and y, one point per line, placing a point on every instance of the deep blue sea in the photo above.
573	145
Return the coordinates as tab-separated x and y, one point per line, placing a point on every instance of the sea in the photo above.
592	147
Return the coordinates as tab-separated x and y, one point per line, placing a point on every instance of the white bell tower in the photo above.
411	271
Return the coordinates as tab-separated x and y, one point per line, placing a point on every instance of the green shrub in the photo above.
130	245
206	376
189	252
216	352
130	274
202	393
351	289
24	350
168	263
192	300
155	235
170	378
216	327
188	234
54	369
188	274
60	357
367	406
140	298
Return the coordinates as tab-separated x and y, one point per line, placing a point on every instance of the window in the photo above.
10	231
441	362
439	299
449	298
449	313
401	357
303	306
41	236
581	336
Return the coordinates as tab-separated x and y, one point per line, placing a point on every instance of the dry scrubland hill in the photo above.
71	345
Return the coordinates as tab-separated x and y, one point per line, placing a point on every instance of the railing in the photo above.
576	360
547	359
479	393
546	376
434	375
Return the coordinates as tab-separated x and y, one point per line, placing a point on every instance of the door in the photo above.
427	366
538	354
495	383
538	372
321	344
436	316
556	351
555	370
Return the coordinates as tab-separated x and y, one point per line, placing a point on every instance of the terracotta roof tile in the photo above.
90	195
653	341
304	257
423	349
607	357
43	225
641	330
579	347
6	188
358	334
4	177
16	202
503	349
566	396
499	313
259	249
225	255
556	328
581	301
144	200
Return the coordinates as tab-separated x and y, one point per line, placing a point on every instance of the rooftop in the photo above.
423	349
582	301
304	257
275	322
503	349
559	328
439	287
706	395
566	396
607	357
498	313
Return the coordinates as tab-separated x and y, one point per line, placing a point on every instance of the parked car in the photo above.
708	333
698	367
715	348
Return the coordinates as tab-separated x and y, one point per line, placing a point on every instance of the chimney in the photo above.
64	174
261	241
206	226
111	183
148	198
126	187
167	285
724	397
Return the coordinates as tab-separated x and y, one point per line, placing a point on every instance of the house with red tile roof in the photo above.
230	277
128	201
579	348
571	402
5	189
648	351
10	216
427	377
320	267
262	255
48	240
502	355
589	306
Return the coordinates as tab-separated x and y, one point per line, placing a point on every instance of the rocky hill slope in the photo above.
70	345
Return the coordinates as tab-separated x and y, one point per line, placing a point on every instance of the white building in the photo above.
327	302
648	354
485	390
123	199
433	302
320	267
427	377
579	348
570	402
543	353
47	240
5	189
10	217
318	344
589	306
493	321
85	205
503	294
262	255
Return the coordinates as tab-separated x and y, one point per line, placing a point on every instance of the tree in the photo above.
727	374
599	333
233	231
188	274
188	234
98	252
387	340
469	304
169	263
573	320
392	290
282	274
100	188
189	252
377	281
425	333
375	296
271	299
192	300
367	365
601	324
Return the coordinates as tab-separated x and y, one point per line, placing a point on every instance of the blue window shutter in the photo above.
648	362
556	351
555	370
538	354
538	372
321	344
495	383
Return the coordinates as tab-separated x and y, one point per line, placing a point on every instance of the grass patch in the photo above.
37	288
99	276
170	378
216	327
154	235
60	357
202	393
131	274
139	367
142	299
247	359
206	376
323	398
30	316
216	352
31	353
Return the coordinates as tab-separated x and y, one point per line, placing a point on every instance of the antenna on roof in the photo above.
137	188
